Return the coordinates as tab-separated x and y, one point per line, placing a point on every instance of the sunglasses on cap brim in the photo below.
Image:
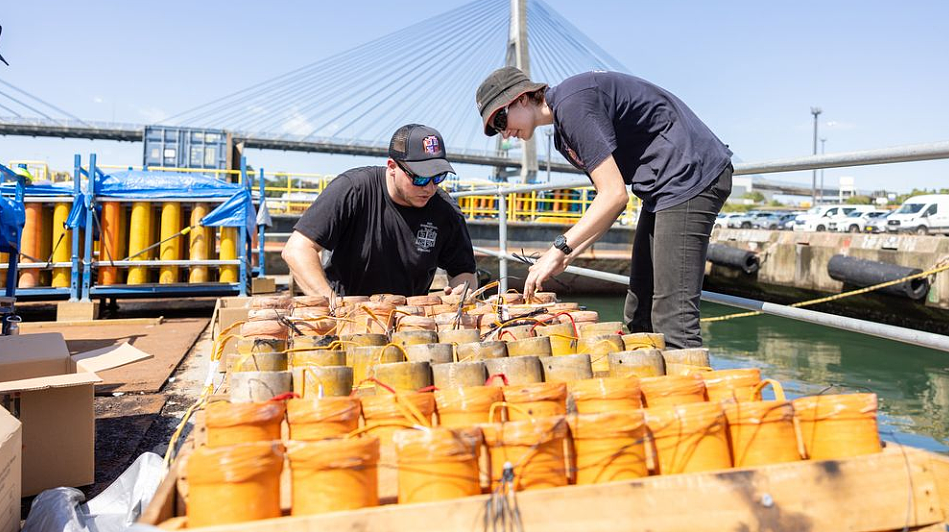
423	181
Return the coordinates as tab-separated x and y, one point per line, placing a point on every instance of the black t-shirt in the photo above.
379	247
662	149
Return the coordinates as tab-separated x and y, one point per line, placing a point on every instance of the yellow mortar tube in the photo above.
140	231
198	244
170	250
228	252
62	240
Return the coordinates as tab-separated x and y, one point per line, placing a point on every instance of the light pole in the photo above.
550	140
814	111
822	141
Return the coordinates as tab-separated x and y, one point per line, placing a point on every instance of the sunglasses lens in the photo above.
439	178
420	181
500	120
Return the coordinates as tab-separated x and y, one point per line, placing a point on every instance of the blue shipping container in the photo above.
185	147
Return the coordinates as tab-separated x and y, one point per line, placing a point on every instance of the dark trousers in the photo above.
668	266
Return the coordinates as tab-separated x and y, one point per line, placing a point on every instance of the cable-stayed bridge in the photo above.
351	102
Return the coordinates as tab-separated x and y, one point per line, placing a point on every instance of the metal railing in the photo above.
917	152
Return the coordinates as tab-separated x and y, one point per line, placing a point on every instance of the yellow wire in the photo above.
938	268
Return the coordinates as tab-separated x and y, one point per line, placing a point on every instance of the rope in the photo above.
940	267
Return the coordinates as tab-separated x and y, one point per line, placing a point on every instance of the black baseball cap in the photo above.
502	87
421	149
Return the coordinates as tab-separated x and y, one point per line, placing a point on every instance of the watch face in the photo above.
559	241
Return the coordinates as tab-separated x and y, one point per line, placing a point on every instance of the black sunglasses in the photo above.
421	181
500	120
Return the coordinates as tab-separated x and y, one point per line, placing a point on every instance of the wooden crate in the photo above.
899	487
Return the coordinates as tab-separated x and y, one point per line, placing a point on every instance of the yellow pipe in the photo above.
140	231
228	252
170	250
198	244
123	243
62	239
109	242
29	243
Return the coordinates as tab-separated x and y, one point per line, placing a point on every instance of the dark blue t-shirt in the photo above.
662	149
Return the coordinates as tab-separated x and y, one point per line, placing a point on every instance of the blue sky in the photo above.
751	70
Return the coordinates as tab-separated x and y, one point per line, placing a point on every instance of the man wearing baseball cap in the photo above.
624	131
386	228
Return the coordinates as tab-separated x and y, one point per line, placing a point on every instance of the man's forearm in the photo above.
303	258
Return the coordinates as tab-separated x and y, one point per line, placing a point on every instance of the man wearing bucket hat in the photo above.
386	228
621	130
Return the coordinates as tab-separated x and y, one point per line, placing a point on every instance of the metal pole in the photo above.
889	332
242	240
822	141
502	242
550	140
814	111
74	273
261	230
90	229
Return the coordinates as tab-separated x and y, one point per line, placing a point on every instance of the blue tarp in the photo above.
41	188
145	184
12	218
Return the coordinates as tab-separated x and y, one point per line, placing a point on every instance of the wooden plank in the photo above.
43	326
867	493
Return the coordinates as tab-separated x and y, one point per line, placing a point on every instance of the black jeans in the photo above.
668	266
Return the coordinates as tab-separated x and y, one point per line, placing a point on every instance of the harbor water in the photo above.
912	383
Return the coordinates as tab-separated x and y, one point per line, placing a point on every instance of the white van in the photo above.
818	218
922	215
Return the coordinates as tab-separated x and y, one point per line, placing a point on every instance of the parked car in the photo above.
774	221
877	224
747	220
856	221
723	217
818	218
927	214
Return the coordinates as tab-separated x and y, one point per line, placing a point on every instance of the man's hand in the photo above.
550	264
456	283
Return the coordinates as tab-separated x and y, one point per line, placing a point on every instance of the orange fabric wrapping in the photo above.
437	464
333	475
593	396
838	426
466	406
233	423
234	484
609	446
535	449
732	384
542	399
688	438
322	418
672	390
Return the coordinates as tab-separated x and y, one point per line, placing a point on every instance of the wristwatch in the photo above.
561	243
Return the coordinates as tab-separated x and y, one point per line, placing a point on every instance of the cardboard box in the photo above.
11	445
228	311
51	393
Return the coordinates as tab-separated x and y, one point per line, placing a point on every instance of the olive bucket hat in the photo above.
502	87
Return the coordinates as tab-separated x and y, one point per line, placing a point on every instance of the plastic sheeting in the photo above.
12	219
113	510
146	184
237	211
40	188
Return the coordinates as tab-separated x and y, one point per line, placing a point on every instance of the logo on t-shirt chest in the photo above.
426	236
